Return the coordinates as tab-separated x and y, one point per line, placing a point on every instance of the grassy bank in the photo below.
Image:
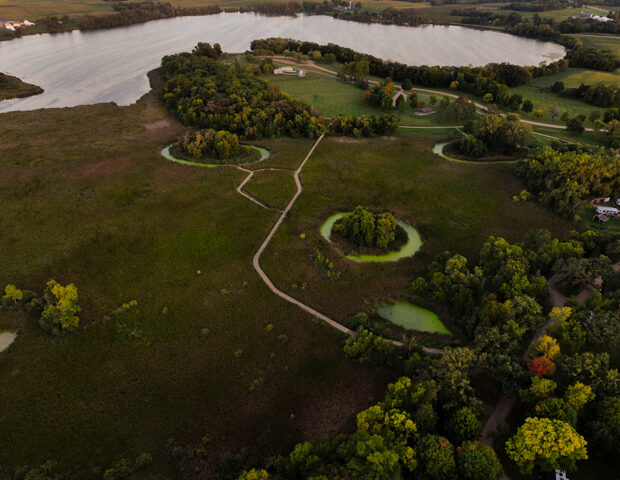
13	87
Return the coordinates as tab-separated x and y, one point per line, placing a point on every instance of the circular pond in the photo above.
412	317
264	153
414	242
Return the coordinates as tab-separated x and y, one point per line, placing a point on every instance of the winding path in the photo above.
248	195
256	260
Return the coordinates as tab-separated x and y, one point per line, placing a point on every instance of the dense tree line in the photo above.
595	58
537	6
579	26
428	423
203	92
493	78
139	12
600	95
493	134
392	16
564	177
363	125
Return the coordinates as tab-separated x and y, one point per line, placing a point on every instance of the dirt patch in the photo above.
18	176
106	169
159	125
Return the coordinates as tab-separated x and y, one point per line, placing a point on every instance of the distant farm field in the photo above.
20	9
32	9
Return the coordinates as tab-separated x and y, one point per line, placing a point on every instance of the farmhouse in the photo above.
14	26
584	16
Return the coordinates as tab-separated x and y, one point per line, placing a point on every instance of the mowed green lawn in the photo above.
88	199
454	206
601	41
332	97
544	99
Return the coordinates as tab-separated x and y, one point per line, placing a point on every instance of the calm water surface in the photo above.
110	65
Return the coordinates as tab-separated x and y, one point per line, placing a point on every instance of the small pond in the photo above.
6	338
414	242
264	153
412	317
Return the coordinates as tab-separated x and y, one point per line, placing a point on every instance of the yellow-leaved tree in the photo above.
546	443
61	307
11	292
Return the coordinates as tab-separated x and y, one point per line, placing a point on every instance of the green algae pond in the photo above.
264	153
412	317
414	242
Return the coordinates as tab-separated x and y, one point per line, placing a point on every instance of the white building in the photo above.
283	70
590	16
609	211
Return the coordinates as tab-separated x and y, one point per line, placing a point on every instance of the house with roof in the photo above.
584	16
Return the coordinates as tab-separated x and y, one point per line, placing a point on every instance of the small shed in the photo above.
600	218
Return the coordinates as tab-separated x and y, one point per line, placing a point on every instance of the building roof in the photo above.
601	217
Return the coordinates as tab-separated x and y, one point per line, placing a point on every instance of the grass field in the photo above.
274	188
454	206
13	87
544	99
109	214
11	9
30	9
332	96
601	41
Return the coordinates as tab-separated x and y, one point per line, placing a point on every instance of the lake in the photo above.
78	68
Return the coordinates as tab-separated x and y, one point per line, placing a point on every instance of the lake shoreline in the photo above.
100	66
74	27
